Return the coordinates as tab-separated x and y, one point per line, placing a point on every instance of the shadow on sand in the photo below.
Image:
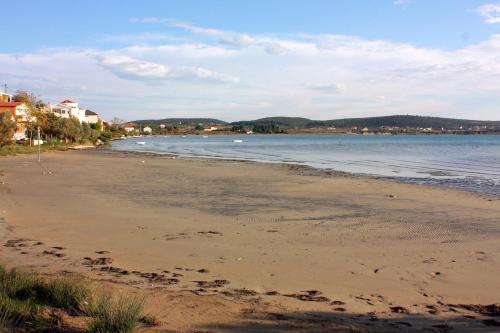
323	322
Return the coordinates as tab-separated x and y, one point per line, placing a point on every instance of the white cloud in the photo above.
203	73
135	69
315	76
127	67
490	12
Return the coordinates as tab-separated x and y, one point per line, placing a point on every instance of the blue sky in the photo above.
250	59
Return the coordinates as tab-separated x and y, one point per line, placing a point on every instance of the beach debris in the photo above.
431	309
98	261
239	292
16	242
102	252
337	303
53	253
157	278
115	270
271	293
399	309
212	284
210	232
492	310
309	296
203	270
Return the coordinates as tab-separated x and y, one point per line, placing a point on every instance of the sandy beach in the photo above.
228	246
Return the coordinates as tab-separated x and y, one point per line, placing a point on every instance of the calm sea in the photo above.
468	162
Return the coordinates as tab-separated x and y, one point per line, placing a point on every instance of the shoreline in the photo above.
308	170
269	238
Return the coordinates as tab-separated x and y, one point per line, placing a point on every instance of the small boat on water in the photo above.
237	141
205	136
142	143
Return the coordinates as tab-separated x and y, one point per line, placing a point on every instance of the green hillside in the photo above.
181	121
371	122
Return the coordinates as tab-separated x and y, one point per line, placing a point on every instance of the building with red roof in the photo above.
20	114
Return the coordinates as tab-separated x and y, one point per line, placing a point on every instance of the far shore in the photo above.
232	246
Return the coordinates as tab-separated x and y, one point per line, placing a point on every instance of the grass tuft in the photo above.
64	293
27	302
17	284
117	314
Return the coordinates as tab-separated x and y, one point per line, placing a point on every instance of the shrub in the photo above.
7	128
114	314
17	284
63	293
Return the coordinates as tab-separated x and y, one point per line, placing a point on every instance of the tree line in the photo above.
53	129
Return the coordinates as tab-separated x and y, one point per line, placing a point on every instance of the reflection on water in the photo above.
469	162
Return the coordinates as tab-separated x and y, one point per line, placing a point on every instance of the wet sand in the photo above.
227	246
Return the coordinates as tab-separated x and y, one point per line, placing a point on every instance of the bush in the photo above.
28	302
7	128
14	313
114	314
63	293
16	284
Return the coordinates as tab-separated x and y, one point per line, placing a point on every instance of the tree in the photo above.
70	129
28	98
7	128
117	121
199	127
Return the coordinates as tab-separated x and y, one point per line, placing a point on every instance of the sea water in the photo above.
471	162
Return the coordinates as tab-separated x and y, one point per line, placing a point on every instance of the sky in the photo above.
241	60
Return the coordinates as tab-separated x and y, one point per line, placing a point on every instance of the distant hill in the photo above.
371	122
183	121
402	121
293	122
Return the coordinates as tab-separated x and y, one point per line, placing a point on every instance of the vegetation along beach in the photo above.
250	166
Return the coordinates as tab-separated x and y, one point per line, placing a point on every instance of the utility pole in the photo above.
39	144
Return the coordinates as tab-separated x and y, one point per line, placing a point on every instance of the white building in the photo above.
147	129
128	127
91	117
68	108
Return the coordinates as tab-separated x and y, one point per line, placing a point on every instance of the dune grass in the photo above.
26	299
119	314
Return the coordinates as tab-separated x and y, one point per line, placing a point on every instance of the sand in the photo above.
228	246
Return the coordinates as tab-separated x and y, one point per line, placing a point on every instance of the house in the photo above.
128	127
91	117
147	130
75	110
210	129
20	114
60	110
68	108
